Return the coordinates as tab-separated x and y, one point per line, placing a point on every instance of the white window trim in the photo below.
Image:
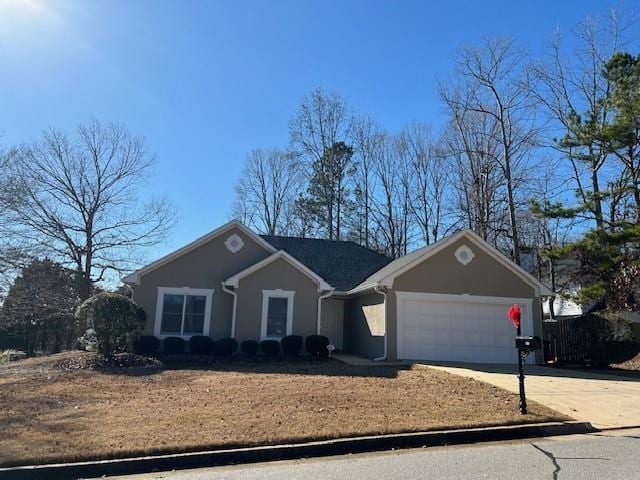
266	295
162	291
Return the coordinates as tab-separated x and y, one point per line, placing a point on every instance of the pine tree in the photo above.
612	245
328	196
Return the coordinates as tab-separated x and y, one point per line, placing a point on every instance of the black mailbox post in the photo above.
525	346
528	343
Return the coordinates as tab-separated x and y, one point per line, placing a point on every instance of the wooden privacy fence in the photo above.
569	340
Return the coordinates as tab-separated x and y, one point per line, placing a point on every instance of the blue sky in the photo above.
207	81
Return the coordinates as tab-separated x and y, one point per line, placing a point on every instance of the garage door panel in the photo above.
464	330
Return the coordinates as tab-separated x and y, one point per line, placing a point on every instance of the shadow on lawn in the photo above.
302	365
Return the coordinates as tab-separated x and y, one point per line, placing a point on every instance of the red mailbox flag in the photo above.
514	315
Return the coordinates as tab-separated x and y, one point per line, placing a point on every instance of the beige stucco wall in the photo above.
364	325
204	267
442	273
279	274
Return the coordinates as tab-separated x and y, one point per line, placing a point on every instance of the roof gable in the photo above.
387	275
134	277
281	254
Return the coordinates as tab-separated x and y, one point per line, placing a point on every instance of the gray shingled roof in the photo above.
342	264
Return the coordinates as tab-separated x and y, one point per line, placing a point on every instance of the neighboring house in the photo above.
444	302
563	306
564	283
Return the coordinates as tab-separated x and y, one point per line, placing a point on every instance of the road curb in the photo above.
341	446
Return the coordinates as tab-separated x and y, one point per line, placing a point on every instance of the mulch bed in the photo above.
98	362
93	361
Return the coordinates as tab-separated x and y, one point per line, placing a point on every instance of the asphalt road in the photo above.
606	455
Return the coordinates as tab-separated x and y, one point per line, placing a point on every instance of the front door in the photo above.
331	322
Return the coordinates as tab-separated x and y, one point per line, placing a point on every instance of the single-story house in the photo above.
443	302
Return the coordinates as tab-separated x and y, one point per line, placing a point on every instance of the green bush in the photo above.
291	345
250	347
200	345
146	345
174	345
270	348
316	345
225	347
116	320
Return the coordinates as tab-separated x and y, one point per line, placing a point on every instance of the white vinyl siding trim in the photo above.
266	295
184	291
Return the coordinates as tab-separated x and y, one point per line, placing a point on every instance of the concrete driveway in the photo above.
607	401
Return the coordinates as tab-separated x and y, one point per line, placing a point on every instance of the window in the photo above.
277	313
183	311
277	317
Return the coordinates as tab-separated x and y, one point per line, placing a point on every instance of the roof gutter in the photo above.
383	292
320	298
234	294
358	290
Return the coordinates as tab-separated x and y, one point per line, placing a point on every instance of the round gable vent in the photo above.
464	255
234	243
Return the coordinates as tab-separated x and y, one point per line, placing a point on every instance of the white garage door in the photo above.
458	328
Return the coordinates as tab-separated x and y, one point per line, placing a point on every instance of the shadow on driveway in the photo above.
544	371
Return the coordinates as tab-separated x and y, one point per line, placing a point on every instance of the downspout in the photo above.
235	304
383	291
320	298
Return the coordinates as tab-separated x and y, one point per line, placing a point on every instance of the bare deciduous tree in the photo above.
430	181
12	254
469	140
391	201
76	199
570	86
321	121
367	141
318	133
269	185
493	76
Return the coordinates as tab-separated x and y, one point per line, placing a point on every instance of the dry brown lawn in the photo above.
51	415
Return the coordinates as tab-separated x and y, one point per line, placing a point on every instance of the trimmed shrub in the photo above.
291	345
200	345
250	347
225	347
146	345
174	345
271	348
316	345
116	320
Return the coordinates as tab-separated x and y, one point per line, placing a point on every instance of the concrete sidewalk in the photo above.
607	401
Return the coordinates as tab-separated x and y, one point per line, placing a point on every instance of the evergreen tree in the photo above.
328	198
597	138
37	314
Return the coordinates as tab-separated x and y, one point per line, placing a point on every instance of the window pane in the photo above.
194	314
277	317
172	314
